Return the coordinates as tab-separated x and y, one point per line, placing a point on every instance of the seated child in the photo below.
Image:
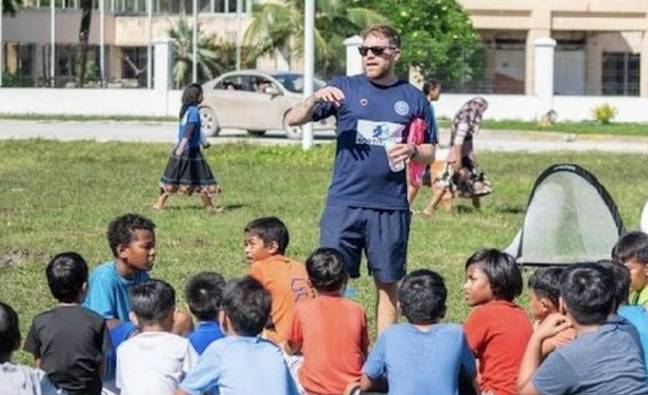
203	293
330	331
154	361
266	240
131	238
544	295
603	359
242	363
632	250
497	329
18	379
635	315
69	341
422	356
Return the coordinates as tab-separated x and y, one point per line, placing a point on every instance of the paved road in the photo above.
489	140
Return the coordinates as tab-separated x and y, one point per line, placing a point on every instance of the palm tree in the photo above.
214	55
279	27
84	34
11	6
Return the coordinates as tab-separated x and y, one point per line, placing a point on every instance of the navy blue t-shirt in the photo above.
369	117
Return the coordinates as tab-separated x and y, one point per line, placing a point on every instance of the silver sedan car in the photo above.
256	101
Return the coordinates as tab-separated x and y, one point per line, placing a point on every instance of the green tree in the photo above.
437	37
280	27
11	6
215	56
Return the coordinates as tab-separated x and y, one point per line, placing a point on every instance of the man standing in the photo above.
367	207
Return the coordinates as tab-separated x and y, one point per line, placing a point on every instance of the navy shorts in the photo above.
382	234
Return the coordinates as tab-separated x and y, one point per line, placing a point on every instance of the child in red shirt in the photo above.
330	331
497	329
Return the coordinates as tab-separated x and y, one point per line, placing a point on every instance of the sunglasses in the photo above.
376	50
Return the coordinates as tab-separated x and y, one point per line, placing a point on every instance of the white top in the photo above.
153	363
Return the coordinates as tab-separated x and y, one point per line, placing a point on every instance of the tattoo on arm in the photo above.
302	112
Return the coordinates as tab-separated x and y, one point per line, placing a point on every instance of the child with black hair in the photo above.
632	250
131	238
603	359
330	331
156	360
266	240
439	352
203	293
242	363
71	355
187	170
497	329
18	379
544	296
635	315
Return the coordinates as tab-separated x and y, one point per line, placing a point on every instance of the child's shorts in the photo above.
382	234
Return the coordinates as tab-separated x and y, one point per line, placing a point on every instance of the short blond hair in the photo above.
385	31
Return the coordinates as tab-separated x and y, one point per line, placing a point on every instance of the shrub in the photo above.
604	113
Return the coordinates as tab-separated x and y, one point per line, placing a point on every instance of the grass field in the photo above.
60	196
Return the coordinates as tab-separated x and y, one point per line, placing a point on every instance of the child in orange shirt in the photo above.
544	294
497	329
266	240
330	331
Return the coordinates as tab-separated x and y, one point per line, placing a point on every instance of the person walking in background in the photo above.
432	90
462	177
187	170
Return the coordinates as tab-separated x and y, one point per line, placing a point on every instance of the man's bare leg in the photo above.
386	310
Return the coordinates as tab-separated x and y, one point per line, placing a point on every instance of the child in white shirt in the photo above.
154	361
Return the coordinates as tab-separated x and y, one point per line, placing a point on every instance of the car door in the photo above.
227	98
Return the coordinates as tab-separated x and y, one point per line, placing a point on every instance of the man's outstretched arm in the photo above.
302	112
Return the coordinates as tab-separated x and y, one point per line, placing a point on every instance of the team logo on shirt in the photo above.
401	107
376	133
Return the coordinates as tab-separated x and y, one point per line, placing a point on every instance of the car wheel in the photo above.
209	122
256	133
292	132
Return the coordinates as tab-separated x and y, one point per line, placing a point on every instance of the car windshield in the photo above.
295	82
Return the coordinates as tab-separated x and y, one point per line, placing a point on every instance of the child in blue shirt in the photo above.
242	363
422	356
131	238
203	293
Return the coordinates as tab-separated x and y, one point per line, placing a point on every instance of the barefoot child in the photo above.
187	170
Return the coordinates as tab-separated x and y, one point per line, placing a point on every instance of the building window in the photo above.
620	74
133	70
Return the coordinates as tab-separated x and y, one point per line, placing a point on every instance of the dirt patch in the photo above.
13	258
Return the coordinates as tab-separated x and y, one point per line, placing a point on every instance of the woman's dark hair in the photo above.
190	97
430	85
326	271
502	272
422	297
9	331
66	274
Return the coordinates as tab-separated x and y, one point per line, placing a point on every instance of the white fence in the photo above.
133	102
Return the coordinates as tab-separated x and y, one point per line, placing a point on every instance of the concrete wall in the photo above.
141	102
134	102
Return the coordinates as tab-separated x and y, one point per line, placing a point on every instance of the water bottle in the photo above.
395	166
